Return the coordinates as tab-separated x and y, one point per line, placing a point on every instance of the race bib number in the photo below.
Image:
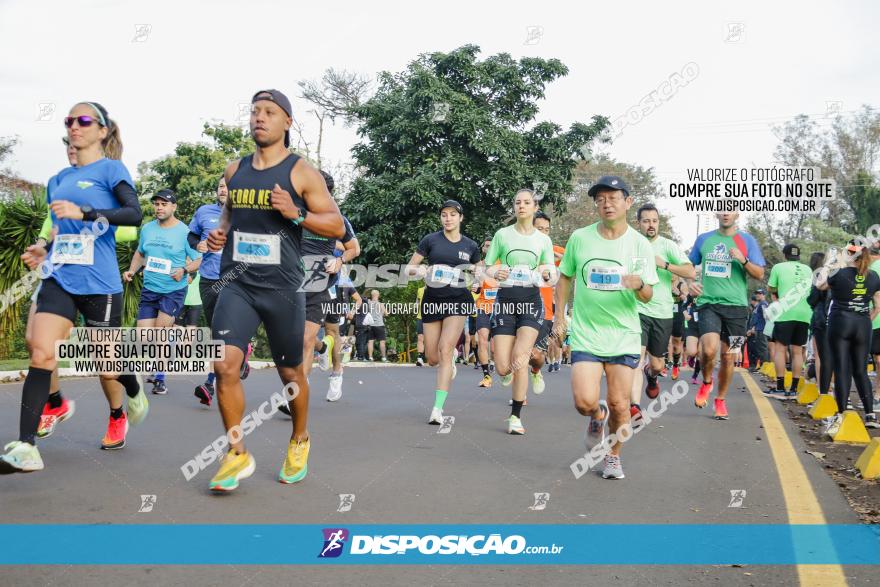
259	249
157	265
605	278
490	294
445	275
720	269
74	249
520	276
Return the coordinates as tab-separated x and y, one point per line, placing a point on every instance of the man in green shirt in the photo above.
790	283
611	263
656	316
728	256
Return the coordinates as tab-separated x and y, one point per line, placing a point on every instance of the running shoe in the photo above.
476	366
693	380
20	457
595	432
420	362
325	359
384	359
51	417
436	417
652	388
613	469
205	393
296	464
675	372
514	425
492	367
138	406
702	397
720	409
692	361
245	371
284	409
486	381
789	395
159	387
665	372
538	384
506	379
871	421
635	416
335	391
116	431
834	424
233	468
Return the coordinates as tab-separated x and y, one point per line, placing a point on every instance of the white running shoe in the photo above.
20	457
595	432
834	425
612	469
514	425
335	391
538	383
436	416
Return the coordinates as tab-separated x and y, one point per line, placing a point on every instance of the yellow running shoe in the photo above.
296	465
487	381
233	469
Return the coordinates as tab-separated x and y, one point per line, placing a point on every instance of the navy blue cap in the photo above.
167	195
282	101
611	182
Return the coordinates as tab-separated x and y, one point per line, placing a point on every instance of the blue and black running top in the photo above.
262	247
83	253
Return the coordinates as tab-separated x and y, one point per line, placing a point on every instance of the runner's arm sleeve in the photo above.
195	230
46	229
128	214
192	239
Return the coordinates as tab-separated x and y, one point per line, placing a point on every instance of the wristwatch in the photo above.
641	286
746	262
88	212
667	266
301	218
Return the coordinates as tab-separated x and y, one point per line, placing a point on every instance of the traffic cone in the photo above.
825	407
771	369
745	355
868	463
808	394
852	430
787	380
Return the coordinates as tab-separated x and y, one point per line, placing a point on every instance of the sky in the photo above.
163	68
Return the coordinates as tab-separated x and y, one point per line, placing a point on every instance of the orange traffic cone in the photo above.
745	351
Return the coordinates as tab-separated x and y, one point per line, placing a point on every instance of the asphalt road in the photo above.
375	444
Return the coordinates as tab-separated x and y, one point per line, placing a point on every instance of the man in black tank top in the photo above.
273	195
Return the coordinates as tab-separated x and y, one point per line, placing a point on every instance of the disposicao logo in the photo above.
84	184
334	540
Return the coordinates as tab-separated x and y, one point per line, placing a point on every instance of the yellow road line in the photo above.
801	502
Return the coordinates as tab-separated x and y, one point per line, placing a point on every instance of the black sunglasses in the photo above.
82	120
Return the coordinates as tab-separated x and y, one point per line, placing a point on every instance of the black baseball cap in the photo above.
791	251
282	101
760	291
167	195
612	182
452	204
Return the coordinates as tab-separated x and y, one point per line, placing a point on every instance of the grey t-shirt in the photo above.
376	313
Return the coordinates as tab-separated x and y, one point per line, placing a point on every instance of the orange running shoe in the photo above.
720	409
51	417
675	372
702	397
116	431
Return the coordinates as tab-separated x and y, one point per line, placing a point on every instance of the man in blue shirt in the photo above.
166	257
757	338
205	220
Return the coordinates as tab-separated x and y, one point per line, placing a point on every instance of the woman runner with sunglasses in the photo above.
84	276
526	256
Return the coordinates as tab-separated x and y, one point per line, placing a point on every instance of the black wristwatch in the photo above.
88	212
641	286
667	266
746	262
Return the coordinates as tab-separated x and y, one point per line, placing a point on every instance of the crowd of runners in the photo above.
619	303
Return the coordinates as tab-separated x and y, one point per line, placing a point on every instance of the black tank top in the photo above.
262	248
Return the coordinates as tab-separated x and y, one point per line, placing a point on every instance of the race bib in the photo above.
75	249
719	269
445	275
520	276
157	265
332	291
605	278
490	294
259	249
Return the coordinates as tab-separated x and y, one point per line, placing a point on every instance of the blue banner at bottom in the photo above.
268	544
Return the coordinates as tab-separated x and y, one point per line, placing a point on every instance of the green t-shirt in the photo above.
606	317
523	254
193	297
791	275
875	267
724	279
662	304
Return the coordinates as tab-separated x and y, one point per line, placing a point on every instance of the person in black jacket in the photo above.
818	300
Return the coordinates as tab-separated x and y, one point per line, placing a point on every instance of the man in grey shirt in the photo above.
377	325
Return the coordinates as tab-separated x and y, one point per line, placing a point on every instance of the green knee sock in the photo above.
440	398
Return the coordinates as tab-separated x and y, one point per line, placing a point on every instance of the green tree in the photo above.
454	126
194	169
864	197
